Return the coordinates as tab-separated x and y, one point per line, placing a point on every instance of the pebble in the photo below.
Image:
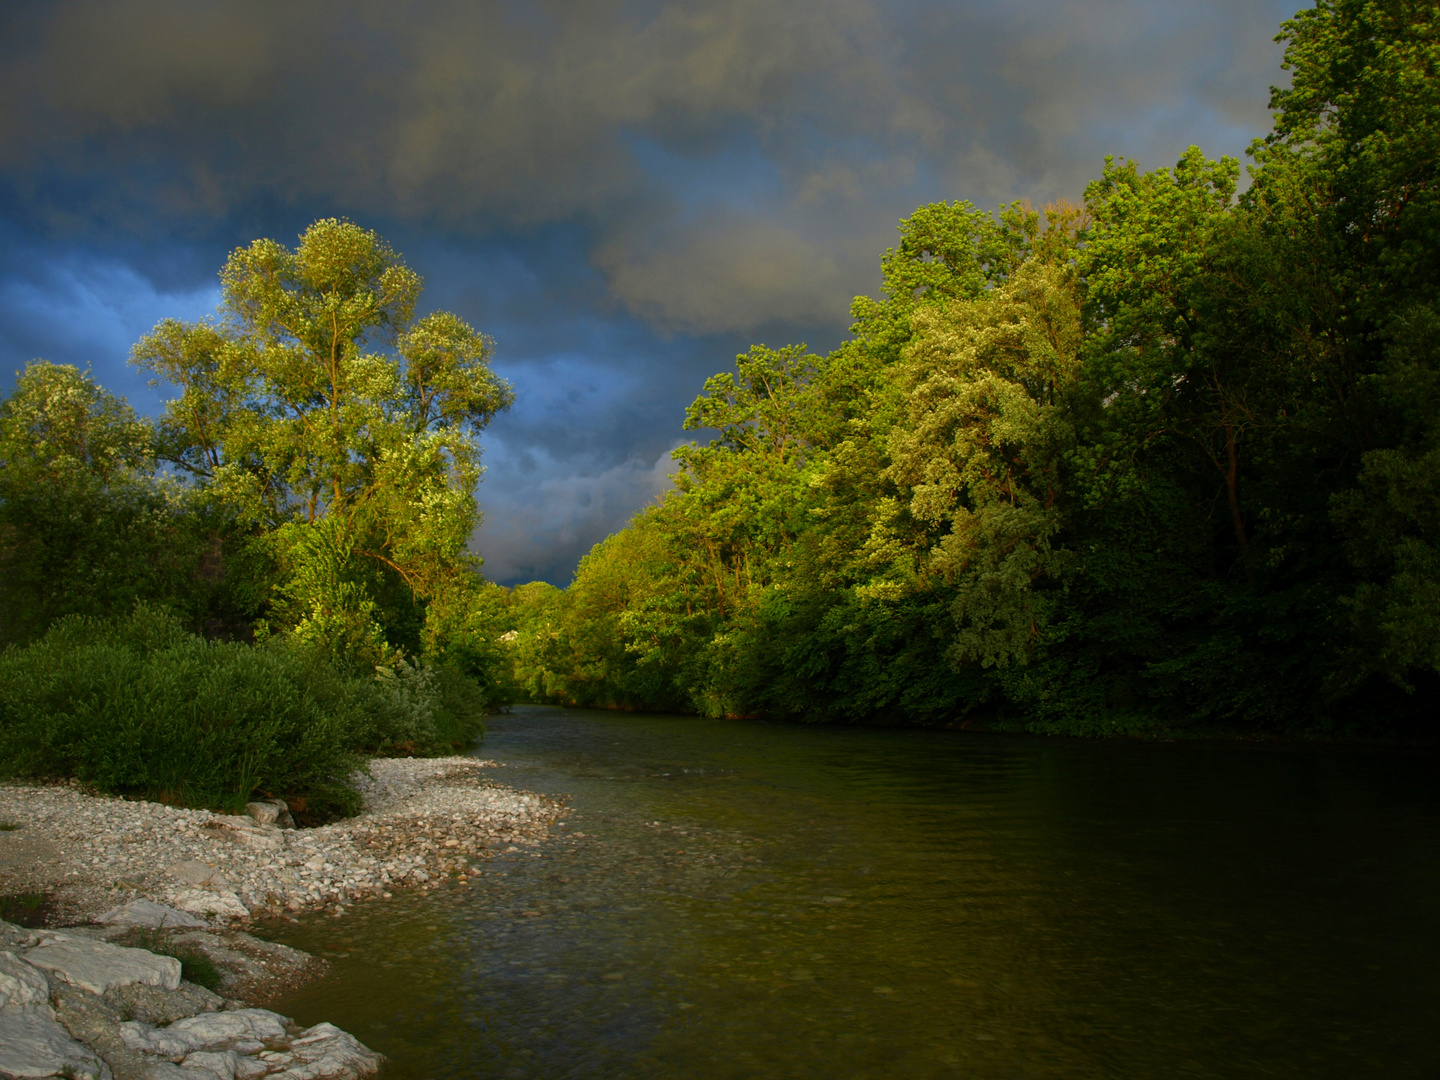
424	820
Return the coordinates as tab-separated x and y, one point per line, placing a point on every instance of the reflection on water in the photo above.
749	900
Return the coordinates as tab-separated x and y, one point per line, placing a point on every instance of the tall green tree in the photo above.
989	387
342	428
1348	190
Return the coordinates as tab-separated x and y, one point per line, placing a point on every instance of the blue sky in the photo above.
623	195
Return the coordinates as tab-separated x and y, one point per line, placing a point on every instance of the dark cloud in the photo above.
623	194
542	515
85	308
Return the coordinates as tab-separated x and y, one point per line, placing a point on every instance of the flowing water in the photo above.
732	899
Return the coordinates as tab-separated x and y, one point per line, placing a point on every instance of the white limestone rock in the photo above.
212	1031
245	831
195	872
223	1063
226	1064
14	937
149	914
138	1035
165	1070
258	839
211	902
243	1030
32	1044
264	813
22	986
271	812
324	1052
98	966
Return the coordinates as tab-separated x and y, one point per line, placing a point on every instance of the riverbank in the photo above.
76	1005
425	821
140	891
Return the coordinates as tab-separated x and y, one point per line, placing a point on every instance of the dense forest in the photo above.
1166	459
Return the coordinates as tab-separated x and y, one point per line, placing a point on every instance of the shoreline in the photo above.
424	821
127	892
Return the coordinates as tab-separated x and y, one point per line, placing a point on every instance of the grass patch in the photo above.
8	826
30	909
195	966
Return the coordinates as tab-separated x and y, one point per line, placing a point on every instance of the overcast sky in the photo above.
623	195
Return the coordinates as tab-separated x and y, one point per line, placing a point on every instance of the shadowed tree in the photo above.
84	527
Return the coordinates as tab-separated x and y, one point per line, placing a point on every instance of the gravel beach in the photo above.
425	820
143	889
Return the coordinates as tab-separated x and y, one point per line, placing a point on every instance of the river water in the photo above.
735	899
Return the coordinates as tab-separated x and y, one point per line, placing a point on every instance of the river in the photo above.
736	899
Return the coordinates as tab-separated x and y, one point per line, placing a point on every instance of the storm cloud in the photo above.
623	194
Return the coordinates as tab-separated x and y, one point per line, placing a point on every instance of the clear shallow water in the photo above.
755	900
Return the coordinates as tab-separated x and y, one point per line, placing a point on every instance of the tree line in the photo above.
1163	458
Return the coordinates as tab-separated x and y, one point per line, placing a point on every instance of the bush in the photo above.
139	707
424	710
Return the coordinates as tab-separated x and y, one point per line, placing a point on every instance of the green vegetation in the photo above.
26	909
138	706
195	966
272	582
1167	459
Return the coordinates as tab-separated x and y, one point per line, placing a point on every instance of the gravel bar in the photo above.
425	821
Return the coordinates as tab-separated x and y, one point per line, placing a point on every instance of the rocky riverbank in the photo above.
425	821
75	1005
132	894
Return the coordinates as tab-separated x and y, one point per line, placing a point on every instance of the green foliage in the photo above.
988	387
140	707
326	593
605	641
1166	460
328	441
1163	461
195	966
341	430
28	909
84	526
424	709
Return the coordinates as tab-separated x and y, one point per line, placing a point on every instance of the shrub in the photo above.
421	709
140	707
29	909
